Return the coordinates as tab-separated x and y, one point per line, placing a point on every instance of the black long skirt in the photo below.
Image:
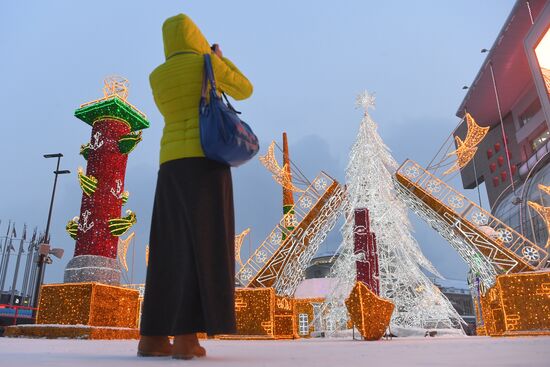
190	285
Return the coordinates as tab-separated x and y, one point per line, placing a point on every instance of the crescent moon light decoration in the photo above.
280	175
123	249
238	243
465	150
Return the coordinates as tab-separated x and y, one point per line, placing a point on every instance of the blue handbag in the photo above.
224	137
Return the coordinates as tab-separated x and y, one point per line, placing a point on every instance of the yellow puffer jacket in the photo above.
177	83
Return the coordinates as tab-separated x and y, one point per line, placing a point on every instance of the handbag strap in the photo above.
208	76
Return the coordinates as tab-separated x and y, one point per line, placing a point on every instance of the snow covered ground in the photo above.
442	351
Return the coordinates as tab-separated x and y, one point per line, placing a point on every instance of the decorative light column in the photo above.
364	243
116	130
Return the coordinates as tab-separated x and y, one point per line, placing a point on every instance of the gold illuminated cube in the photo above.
91	304
305	306
261	313
370	313
518	304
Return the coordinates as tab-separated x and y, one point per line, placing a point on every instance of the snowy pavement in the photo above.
456	351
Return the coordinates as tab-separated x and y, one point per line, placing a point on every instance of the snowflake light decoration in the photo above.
433	186
504	235
365	100
530	253
480	218
456	202
320	184
261	256
306	202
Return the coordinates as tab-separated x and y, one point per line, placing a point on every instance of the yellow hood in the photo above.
180	33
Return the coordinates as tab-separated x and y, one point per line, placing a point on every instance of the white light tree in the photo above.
369	177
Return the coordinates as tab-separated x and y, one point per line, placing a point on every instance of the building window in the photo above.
529	112
303	324
541	139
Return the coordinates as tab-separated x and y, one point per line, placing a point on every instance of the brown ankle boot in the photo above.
186	346
154	346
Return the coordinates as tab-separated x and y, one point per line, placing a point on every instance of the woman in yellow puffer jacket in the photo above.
191	273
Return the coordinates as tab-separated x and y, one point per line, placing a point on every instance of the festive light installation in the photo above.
116	126
368	312
364	243
285	253
288	195
466	150
418	303
238	244
280	175
545	189
261	314
123	249
487	245
518	304
84	311
91	304
544	212
305	311
147	255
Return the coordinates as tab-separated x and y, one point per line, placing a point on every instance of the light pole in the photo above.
44	248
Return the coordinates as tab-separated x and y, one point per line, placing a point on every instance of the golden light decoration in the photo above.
72	332
88	184
370	313
238	244
466	150
262	314
72	228
545	189
544	212
147	255
518	304
90	304
306	306
119	226
281	175
123	249
115	85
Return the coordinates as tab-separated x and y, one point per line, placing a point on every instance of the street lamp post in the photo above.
44	248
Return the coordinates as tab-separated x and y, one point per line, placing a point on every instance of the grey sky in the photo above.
307	60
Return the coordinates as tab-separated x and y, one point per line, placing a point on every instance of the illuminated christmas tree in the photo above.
369	176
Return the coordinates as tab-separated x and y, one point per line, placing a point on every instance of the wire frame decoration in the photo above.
266	264
238	244
281	175
461	220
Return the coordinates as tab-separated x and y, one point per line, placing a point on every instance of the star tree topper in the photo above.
366	100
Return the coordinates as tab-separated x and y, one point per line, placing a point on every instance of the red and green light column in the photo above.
116	130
